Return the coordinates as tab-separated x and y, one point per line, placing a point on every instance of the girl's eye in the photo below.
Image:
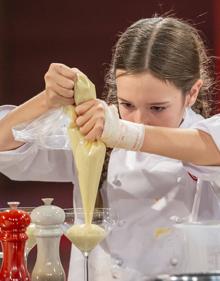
157	108
126	105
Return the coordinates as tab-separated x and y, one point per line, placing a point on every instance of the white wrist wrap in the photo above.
121	133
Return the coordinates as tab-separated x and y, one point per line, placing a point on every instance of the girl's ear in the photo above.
193	93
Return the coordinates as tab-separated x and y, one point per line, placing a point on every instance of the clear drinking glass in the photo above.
87	236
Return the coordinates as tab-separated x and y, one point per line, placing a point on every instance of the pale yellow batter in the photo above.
89	156
86	236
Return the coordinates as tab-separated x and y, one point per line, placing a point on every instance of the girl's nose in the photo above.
141	117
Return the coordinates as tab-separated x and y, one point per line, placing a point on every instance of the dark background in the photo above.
80	34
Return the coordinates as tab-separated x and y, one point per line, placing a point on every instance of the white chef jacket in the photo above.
144	190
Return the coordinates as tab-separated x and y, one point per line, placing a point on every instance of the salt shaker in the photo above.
13	224
47	219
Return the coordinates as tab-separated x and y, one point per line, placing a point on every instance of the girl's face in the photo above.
146	99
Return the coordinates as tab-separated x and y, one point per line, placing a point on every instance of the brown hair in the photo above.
171	50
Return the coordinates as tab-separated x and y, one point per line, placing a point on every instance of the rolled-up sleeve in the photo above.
211	126
29	162
208	173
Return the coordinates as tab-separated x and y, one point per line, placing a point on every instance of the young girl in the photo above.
158	74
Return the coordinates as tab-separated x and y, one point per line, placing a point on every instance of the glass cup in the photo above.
87	236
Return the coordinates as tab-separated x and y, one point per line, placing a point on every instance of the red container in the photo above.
13	224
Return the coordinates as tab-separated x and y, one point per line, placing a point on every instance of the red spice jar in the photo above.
13	224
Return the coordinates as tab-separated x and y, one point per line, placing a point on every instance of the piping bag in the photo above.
88	155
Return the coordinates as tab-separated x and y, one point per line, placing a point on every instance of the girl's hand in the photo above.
59	85
97	120
91	119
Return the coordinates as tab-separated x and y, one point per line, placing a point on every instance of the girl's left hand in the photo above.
91	119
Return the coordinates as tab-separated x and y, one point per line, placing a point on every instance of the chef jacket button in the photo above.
116	182
115	274
116	261
119	262
173	261
115	271
176	219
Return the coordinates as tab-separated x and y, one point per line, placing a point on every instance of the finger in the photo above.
77	71
95	133
81	120
57	89
61	81
92	124
58	101
83	107
86	128
66	71
52	77
94	111
90	137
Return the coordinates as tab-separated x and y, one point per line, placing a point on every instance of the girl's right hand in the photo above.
59	85
97	120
